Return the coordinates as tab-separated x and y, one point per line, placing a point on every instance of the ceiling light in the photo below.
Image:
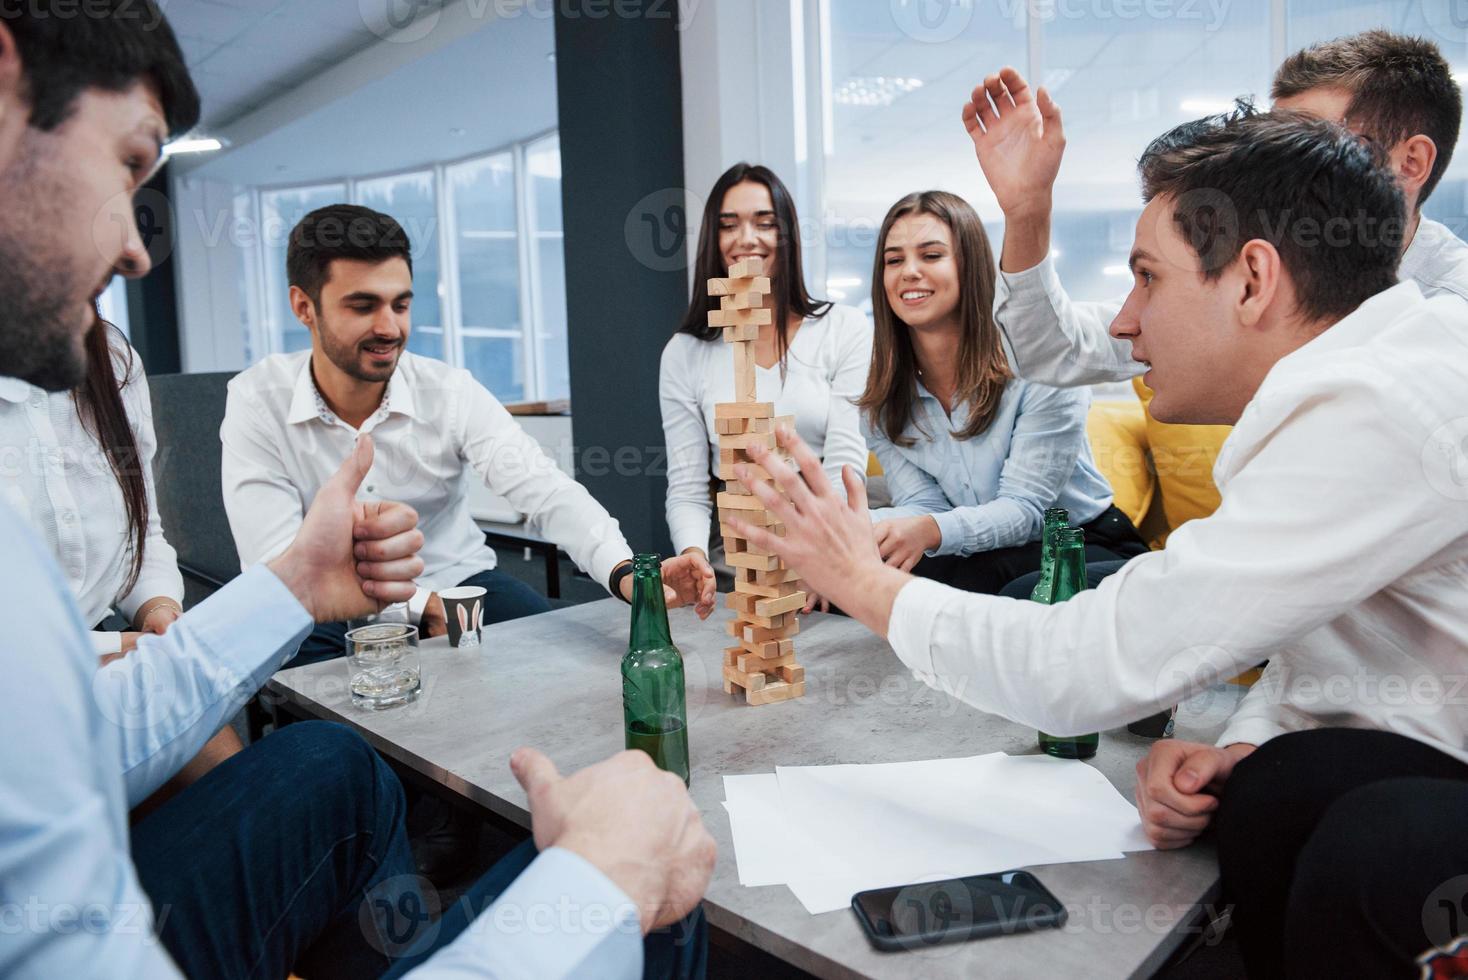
192	144
1116	270
1207	107
836	293
874	90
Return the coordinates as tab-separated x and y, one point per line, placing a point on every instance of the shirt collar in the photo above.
14	390
307	403
1365	322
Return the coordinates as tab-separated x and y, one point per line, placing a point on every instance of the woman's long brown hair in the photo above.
99	404
787	283
983	370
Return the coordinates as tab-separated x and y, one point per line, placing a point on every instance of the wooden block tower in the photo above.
766	594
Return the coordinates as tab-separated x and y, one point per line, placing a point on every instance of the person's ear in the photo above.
1413	160
14	104
1259	272
303	307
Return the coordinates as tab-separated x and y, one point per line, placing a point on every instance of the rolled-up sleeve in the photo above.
1053	341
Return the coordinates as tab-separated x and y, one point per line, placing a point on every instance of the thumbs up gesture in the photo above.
350	557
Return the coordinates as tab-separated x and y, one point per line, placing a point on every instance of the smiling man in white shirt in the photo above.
1340	551
292	416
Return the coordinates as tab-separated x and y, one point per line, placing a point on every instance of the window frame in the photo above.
265	335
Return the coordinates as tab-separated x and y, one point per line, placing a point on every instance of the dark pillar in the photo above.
152	303
621	127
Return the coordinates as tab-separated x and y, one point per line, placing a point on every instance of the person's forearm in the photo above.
1026	238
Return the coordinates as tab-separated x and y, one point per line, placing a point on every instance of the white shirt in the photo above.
1339	553
825	371
57	477
436	429
1054	341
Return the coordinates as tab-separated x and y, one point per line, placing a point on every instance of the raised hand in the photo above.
1019	140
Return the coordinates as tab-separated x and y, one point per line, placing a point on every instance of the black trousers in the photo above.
1345	853
1111	537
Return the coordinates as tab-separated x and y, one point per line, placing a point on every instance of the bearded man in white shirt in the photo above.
291	418
1264	296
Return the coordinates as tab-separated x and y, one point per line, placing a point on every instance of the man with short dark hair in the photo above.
436	428
247	874
1339	553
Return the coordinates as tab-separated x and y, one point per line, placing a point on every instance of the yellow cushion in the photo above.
1183	457
1118	432
874	468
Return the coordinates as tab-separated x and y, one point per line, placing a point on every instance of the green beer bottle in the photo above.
1069	578
1056	519
654	705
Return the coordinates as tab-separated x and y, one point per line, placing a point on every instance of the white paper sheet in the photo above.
847	828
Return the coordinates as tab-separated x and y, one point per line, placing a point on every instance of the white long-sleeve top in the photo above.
56	476
1053	340
436	429
825	372
1339	553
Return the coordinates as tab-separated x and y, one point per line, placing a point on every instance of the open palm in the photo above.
1018	138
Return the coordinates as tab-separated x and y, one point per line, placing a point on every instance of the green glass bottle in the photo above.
654	703
1069	579
1056	519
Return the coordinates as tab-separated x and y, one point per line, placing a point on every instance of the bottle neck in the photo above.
649	609
1070	570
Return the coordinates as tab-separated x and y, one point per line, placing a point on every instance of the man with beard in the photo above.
287	880
436	428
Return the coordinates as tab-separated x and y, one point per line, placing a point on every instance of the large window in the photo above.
1122	74
488	269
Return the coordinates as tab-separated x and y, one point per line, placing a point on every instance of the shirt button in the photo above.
69	517
38	399
371	489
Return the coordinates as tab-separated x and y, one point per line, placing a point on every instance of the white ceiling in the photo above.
306	90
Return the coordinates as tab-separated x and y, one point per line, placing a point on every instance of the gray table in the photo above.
552	681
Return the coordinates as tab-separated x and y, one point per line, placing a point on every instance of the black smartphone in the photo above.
915	916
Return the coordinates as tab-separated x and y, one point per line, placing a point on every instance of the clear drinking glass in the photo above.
382	661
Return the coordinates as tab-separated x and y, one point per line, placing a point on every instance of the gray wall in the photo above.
620	102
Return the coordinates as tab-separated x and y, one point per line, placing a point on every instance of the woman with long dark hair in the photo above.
80	469
973	455
810	360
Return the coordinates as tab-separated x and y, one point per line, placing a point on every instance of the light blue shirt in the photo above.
991	491
82	745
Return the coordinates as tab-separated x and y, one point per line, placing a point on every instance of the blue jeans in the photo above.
249	876
508	598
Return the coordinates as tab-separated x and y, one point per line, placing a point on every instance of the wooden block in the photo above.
741	603
746	268
751	662
750	682
763	634
747	560
778	691
729	427
738	501
765	591
755	518
756	472
762	316
741	333
777	577
792	674
750	284
744	376
729	687
737	488
731	656
769	649
769	622
731	456
744	410
746	439
759	425
742	300
784	604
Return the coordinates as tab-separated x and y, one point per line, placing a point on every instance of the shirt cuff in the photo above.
104	643
417	604
1255	731
910	628
953	534
1037	284
561	917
